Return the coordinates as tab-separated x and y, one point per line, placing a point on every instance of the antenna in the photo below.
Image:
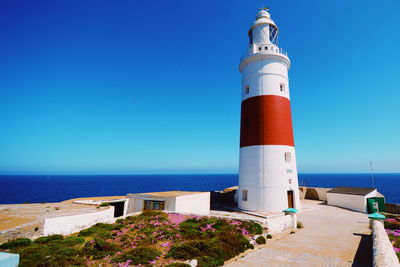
372	173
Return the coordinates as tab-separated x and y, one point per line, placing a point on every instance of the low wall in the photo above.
27	230
314	193
392	208
383	253
279	224
66	225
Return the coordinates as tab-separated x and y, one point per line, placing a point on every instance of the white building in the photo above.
352	198
267	171
176	201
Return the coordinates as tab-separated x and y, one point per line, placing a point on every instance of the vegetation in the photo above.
300	225
177	264
261	240
20	242
392	226
104	204
151	238
269	236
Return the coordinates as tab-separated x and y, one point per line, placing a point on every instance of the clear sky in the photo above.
153	86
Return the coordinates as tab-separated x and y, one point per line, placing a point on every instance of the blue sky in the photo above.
71	70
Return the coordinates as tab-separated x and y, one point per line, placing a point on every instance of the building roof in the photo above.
359	191
167	193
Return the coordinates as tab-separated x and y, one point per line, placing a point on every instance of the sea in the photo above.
16	189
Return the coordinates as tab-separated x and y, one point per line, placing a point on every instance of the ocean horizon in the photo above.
15	189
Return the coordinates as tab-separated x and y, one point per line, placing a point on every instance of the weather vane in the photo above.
264	8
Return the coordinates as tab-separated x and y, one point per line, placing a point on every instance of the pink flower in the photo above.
207	227
234	222
397	250
152	262
92	242
166	244
245	232
176	219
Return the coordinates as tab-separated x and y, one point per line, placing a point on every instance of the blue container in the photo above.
9	259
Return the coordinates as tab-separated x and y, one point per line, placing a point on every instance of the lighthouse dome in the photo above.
263	17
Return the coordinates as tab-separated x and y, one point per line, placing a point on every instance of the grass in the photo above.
151	238
392	227
300	225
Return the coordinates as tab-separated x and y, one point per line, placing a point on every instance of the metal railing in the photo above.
265	49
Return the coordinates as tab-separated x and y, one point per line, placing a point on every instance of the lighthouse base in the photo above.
268	178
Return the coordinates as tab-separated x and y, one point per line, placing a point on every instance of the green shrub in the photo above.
149	214
99	230
140	255
300	225
178	264
104	204
87	232
72	241
254	228
99	248
190	229
51	254
206	261
234	244
390	225
212	252
269	236
19	242
194	249
47	239
261	240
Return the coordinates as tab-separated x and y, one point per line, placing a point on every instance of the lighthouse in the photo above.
267	167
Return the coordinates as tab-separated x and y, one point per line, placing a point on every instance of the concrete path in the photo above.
331	237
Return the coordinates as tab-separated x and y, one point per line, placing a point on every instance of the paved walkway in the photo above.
331	237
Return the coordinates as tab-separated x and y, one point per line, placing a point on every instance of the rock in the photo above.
192	263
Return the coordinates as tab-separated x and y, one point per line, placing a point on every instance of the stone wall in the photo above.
314	193
28	230
383	253
392	208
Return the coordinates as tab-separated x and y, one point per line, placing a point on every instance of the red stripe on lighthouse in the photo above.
266	120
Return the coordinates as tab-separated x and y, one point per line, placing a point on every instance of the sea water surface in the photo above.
54	188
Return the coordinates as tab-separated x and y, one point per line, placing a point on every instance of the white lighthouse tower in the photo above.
267	171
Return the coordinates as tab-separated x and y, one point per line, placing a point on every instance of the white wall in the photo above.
136	202
383	253
266	175
278	224
198	203
352	202
71	224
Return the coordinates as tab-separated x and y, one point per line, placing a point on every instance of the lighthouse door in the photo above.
290	199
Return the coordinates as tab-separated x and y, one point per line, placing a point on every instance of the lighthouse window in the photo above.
247	90
244	195
282	87
266	48
259	49
288	157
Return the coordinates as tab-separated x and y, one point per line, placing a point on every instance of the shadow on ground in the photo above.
363	255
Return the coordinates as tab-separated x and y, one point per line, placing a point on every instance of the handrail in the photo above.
271	50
